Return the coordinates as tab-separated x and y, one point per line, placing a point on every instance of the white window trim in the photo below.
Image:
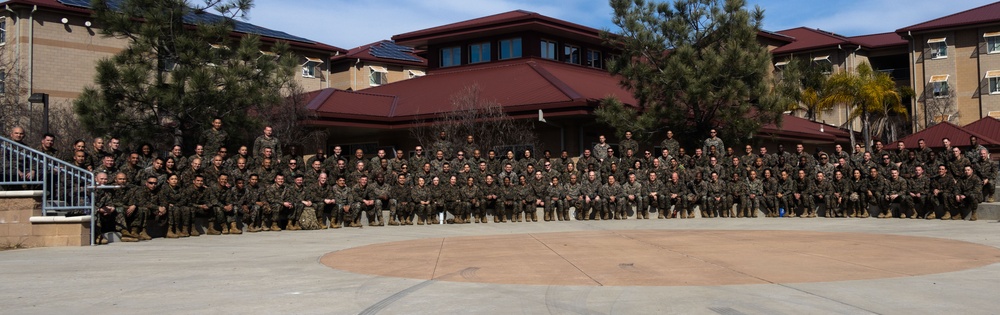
935	80
377	69
569	56
933	43
555	46
310	66
416	73
994	36
994	114
4	30
991	85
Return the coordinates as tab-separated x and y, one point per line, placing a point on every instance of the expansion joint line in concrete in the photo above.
566	260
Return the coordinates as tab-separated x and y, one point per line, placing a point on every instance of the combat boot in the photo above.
534	216
252	228
183	231
102	240
864	213
334	223
143	236
392	221
170	232
288	225
134	233
930	215
225	228
958	216
233	229
128	233
973	216
946	216
211	229
194	231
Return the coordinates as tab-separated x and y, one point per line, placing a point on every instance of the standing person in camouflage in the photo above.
628	143
443	144
343	211
713	140
716	197
612	206
396	163
472	205
267	140
986	170
670	143
897	191
280	199
968	195
601	148
633	195
400	202
214	138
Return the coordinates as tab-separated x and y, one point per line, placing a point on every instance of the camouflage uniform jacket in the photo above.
366	192
632	188
957	166
656	186
671	187
510	193
737	189
401	193
897	186
755	187
878	185
608	190
717	189
986	168
970	186
626	144
342	195
218	196
264	142
573	191
472	192
277	195
670	144
920	184
213	140
823	188
317	193
266	175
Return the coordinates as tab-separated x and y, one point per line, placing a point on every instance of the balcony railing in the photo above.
64	186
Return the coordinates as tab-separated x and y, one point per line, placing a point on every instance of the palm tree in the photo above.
871	95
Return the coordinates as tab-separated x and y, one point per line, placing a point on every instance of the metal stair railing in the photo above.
64	186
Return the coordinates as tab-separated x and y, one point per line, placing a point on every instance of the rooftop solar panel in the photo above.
195	18
388	49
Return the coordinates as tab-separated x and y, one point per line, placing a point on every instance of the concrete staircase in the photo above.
22	224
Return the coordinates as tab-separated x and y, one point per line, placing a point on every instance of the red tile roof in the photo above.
808	38
880	40
522	85
801	129
364	53
989	13
987	126
479	26
959	136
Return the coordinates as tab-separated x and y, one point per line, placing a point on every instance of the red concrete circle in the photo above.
664	258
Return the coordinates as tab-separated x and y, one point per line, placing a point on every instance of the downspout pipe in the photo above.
31	49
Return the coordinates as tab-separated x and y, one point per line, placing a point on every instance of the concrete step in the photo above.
989	211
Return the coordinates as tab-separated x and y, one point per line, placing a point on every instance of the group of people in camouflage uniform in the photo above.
261	188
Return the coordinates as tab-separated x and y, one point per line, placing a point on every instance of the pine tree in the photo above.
181	67
693	66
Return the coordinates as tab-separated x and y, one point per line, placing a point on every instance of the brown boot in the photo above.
973	216
252	228
133	233
128	239
274	227
930	215
225	228
170	232
233	229
143	236
946	216
288	225
194	231
183	232
958	216
211	229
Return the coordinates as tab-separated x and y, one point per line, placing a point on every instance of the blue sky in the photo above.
351	23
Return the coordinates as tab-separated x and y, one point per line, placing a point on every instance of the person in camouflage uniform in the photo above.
214	138
738	192
280	198
222	206
254	215
897	191
199	201
267	140
628	143
968	195
612	206
986	169
491	198
243	205
919	185
555	194
422	201
174	198
633	194
769	201
472	201
366	200
592	200
343	199
145	201
107	214
822	194
674	193
715	196
784	195
942	187
876	187
840	190
856	201
754	195
653	190
509	201
400	202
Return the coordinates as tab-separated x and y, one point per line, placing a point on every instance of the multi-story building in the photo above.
375	64
55	46
955	63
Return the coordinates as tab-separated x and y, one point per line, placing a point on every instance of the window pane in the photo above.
994	85
992	44
548	49
510	48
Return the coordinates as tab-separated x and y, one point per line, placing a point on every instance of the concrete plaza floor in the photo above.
283	272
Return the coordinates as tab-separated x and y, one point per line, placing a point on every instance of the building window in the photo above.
415	73
3	81
992	42
939	85
939	48
594	59
549	49
451	56
993	78
510	48
309	67
377	75
3	30
479	52
571	54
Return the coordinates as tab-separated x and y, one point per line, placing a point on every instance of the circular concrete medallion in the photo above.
664	258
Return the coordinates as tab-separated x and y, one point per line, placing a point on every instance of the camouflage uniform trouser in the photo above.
855	202
138	218
508	208
222	216
804	201
676	203
966	206
904	201
822	199
179	216
639	202
751	204
989	189
659	204
400	210
609	208
250	214
489	207
922	204
423	211
339	213
716	206
943	200
471	207
372	211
